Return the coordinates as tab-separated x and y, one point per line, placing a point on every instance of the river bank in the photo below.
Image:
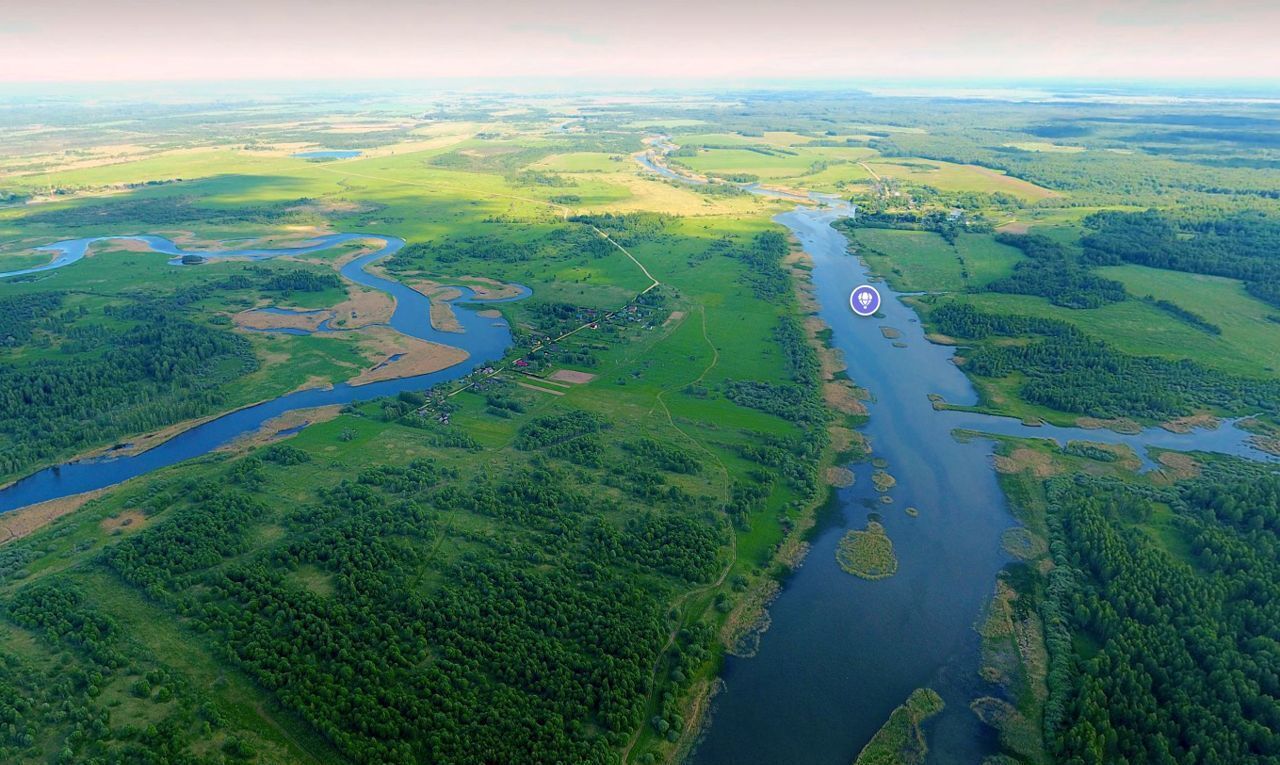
839	653
749	619
484	339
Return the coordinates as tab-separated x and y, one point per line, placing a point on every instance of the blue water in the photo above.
484	338
327	154
661	169
842	652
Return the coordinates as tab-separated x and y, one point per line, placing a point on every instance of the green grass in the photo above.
664	122
922	261
1045	146
18	260
985	258
725	161
912	261
900	741
1164	529
867	554
725	334
282	737
948	176
582	162
774	167
1247	331
1136	327
656	365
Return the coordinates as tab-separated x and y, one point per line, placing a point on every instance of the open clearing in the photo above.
947	176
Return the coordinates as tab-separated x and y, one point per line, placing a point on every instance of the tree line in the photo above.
1241	246
1068	371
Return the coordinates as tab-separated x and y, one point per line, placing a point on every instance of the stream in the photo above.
484	338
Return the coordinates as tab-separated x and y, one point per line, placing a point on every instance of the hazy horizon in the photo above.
663	41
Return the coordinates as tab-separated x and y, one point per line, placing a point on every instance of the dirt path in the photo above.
683	600
648	275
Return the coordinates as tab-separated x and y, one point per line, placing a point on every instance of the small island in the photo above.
868	553
900	741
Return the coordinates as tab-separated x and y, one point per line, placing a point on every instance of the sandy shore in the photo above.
266	433
257	319
1191	422
416	357
363	307
24	521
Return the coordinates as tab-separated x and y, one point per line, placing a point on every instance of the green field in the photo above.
1141	329
948	176
1053	148
775	164
581	162
474	211
922	261
1250	338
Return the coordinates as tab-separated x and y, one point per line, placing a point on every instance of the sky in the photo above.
663	41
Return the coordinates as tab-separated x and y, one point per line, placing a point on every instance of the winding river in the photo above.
484	338
842	652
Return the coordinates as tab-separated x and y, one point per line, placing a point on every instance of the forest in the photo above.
1051	271
1173	652
557	568
536	643
116	383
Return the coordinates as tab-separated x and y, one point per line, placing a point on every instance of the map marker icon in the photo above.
864	300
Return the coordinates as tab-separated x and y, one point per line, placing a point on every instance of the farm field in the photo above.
1141	329
948	176
1248	327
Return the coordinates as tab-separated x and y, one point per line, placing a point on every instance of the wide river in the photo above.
484	338
842	652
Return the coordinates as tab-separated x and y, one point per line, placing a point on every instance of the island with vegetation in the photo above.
867	553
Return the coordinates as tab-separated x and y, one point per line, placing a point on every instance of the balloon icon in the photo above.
864	300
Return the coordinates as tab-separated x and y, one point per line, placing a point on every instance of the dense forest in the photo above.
171	211
1050	270
74	376
118	383
533	646
20	315
1166	647
545	570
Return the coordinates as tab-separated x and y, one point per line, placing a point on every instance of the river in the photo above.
842	652
484	338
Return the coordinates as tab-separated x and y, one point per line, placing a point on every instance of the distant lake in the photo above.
328	154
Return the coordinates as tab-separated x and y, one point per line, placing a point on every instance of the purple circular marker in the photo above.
864	300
